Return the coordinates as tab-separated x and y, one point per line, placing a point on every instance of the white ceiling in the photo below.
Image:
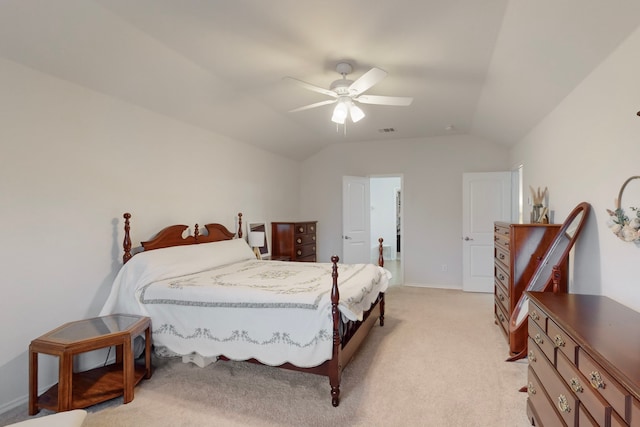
490	68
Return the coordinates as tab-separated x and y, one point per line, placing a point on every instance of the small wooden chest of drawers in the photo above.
517	249
584	361
294	241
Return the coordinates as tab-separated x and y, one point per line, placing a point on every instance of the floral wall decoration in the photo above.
625	225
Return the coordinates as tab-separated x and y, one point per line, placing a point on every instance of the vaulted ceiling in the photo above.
490	68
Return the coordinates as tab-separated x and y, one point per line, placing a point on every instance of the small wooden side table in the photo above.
81	389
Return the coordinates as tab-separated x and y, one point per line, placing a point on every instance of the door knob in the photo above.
347	237
467	238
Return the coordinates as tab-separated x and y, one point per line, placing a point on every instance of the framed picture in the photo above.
260	226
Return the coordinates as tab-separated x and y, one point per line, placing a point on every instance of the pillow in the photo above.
196	257
159	264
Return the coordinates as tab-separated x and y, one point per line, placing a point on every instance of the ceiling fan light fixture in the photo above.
356	113
340	112
346	93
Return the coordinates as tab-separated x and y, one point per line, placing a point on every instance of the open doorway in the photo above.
386	222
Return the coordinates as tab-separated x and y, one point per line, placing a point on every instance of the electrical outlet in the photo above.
444	267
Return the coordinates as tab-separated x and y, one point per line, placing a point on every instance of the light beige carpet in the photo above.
438	361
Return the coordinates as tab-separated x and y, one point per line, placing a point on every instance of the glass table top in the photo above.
92	328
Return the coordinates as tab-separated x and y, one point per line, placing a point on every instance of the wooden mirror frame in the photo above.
546	275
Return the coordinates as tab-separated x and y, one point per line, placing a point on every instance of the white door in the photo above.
355	220
486	198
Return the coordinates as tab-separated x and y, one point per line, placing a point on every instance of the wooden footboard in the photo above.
347	335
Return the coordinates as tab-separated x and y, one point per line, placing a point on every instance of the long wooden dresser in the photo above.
293	241
584	361
517	250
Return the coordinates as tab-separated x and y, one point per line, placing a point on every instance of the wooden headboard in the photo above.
172	236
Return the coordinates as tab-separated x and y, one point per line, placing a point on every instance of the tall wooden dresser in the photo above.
293	241
517	250
584	361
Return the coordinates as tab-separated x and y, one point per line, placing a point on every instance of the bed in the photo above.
209	298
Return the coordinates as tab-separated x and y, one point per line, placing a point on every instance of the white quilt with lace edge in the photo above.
275	312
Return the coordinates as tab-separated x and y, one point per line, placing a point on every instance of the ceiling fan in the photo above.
346	93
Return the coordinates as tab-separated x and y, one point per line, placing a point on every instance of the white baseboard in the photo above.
424	285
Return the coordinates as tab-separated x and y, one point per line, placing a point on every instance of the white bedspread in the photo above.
217	299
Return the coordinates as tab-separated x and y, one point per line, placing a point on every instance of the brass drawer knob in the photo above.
501	256
299	240
501	317
501	276
313	238
531	389
300	229
559	342
575	385
531	356
563	404
534	315
538	339
299	252
312	228
501	297
596	380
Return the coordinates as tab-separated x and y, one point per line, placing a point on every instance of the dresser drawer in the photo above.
534	354
537	316
590	400
542	340
304	239
543	409
635	414
502	256
305	250
564	401
502	276
562	341
602	382
305	228
584	419
501	317
501	242
617	421
502	296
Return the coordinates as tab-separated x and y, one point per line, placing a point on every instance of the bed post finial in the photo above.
126	243
380	248
239	225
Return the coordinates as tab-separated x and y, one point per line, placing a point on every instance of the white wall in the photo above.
432	171
584	151
72	161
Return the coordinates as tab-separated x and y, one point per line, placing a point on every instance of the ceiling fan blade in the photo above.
368	79
311	87
400	101
317	104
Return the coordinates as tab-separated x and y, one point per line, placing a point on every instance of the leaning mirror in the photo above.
546	276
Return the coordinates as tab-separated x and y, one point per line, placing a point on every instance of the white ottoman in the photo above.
73	418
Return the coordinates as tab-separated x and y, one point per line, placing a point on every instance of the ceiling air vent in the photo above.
386	130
